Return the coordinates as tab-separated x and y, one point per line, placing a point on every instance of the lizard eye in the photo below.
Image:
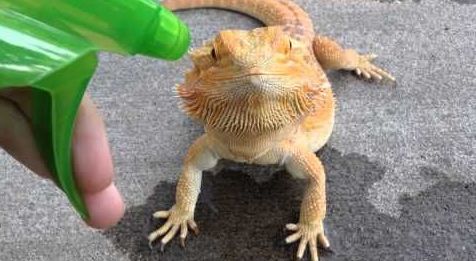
213	53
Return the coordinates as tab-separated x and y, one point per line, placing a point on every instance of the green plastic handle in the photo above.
51	46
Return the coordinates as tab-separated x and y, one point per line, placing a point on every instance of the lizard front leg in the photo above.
303	163
332	56
181	215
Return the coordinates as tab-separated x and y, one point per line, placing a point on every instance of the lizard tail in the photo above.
271	12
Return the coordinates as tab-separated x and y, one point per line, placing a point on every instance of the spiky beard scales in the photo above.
250	114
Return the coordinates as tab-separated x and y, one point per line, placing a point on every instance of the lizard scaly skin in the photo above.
263	98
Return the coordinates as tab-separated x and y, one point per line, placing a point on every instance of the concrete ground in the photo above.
400	164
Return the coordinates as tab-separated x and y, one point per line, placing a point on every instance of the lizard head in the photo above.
251	81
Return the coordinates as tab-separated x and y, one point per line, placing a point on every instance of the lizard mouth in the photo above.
271	83
247	75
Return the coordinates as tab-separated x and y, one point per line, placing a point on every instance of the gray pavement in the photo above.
400	164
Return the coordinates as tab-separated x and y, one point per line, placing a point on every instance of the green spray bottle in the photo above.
51	46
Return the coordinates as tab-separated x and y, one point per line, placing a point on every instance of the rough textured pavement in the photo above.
400	164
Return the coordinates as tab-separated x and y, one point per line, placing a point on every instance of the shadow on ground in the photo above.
435	225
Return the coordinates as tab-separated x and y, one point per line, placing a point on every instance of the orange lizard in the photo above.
263	98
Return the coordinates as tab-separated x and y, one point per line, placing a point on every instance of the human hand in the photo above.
92	161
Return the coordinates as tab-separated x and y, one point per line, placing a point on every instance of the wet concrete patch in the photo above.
242	219
434	225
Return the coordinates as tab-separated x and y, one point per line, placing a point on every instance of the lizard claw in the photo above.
368	70
176	220
193	227
328	250
370	56
308	235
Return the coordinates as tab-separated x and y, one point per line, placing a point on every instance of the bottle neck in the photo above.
167	37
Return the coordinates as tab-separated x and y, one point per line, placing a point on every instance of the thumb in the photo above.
92	159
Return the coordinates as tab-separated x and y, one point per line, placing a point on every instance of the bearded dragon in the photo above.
263	98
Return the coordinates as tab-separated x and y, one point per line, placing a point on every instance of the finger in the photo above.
388	76
323	241
93	168
366	74
92	162
183	233
170	235
313	249
92	158
301	248
164	228
375	75
159	232
193	226
153	236
292	227
370	56
105	207
16	137
293	238
383	73
161	214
